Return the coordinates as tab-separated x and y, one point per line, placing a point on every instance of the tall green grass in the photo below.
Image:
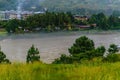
39	71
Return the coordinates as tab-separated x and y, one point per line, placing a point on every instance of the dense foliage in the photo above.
33	55
45	22
3	58
105	22
83	7
113	49
83	48
82	45
60	21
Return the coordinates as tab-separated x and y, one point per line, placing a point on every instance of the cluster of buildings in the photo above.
12	14
84	18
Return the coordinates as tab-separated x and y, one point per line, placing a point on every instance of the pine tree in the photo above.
33	55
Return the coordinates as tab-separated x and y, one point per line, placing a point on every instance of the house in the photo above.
12	14
82	18
83	26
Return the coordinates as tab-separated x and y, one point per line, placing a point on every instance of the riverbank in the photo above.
39	71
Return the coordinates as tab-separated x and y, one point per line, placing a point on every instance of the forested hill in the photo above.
90	6
33	5
76	6
7	4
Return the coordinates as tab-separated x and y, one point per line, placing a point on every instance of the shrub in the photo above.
112	58
100	51
63	59
113	48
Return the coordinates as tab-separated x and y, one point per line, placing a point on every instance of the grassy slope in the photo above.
91	71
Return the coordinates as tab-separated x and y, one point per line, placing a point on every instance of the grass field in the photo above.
38	71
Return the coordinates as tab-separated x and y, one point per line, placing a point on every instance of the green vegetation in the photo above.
105	22
7	5
85	62
82	45
33	55
40	22
113	49
3	58
39	71
50	22
83	48
82	7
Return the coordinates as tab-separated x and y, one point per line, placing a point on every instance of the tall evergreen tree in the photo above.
33	55
82	45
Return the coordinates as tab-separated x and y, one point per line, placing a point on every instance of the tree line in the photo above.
105	22
59	21
84	49
44	22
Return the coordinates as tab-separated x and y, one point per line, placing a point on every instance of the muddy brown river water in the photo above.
50	45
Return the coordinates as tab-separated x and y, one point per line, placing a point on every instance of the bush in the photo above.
63	59
113	48
100	51
112	58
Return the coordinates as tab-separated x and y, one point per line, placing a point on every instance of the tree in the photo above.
100	51
112	58
113	48
82	45
102	21
12	25
33	55
113	21
3	58
83	48
63	59
93	19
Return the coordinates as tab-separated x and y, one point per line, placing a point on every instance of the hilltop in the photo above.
75	6
82	6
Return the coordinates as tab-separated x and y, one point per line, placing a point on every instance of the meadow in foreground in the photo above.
39	71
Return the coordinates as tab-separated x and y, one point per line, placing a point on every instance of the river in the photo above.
50	45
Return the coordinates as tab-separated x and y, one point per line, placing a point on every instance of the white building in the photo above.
12	14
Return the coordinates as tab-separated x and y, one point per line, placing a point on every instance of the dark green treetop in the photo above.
33	55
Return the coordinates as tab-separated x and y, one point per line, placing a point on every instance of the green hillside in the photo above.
7	4
90	4
82	6
75	6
